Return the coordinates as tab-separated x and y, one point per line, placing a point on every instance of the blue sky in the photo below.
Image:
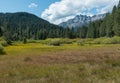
57	11
23	5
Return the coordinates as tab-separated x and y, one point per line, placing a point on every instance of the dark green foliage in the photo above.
116	27
42	34
81	32
24	40
69	33
1	50
6	33
109	25
91	30
1	33
102	29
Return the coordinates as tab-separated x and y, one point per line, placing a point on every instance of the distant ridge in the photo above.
81	20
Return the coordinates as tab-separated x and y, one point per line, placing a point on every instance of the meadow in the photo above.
61	61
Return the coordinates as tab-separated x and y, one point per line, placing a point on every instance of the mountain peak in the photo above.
80	20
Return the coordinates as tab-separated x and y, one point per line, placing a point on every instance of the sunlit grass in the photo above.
33	48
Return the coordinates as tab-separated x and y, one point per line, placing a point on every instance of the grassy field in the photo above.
37	62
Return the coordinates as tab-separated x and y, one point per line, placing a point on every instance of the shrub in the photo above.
1	50
81	42
88	40
60	40
3	43
104	40
115	40
98	40
55	43
66	41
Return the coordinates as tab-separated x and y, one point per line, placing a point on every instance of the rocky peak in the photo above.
81	20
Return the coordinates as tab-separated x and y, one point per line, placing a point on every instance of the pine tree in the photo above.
91	30
1	32
82	32
6	33
109	25
102	29
116	27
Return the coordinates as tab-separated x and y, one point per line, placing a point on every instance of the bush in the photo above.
1	50
81	42
3	43
113	40
66	41
98	41
55	43
61	40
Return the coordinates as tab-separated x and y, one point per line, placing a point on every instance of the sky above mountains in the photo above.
57	11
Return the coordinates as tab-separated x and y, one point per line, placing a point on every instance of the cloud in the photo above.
65	9
32	5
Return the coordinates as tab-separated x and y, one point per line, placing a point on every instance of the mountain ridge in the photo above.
80	20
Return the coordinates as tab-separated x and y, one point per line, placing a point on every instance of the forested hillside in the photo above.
17	26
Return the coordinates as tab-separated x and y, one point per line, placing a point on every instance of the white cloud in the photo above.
32	5
66	9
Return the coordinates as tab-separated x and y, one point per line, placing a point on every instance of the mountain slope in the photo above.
21	18
22	24
81	20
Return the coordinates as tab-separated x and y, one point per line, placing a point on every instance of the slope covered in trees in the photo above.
16	26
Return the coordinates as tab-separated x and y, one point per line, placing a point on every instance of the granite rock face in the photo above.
81	20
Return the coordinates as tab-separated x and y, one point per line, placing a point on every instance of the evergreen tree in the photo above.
42	34
109	25
116	27
1	32
102	29
91	30
82	32
6	33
